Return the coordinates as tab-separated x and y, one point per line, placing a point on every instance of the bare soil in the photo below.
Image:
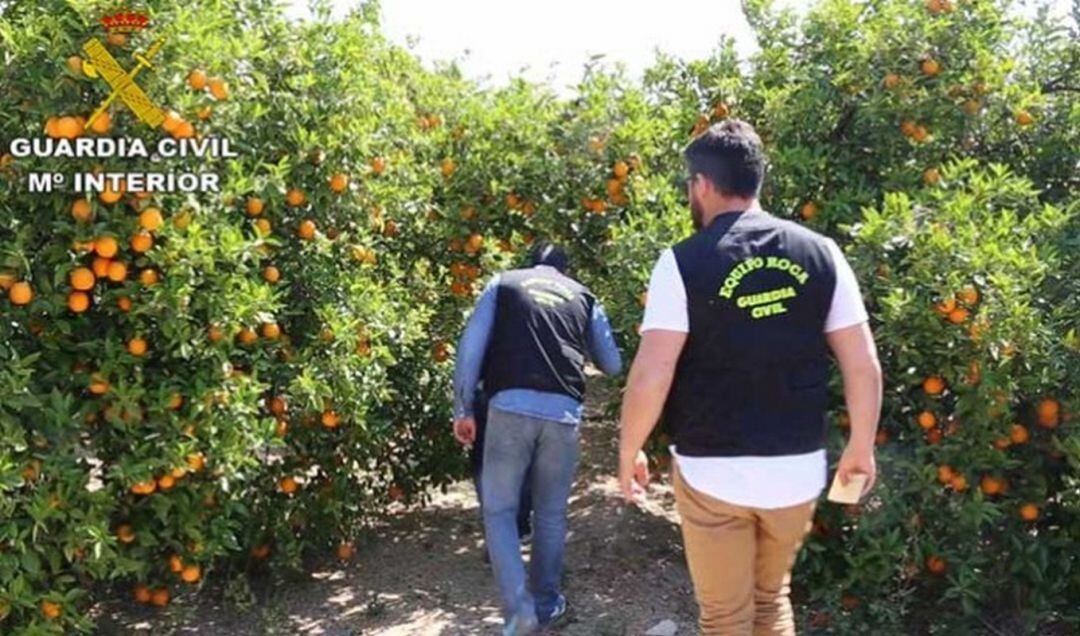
420	572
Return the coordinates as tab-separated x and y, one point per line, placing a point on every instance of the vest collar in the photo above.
724	220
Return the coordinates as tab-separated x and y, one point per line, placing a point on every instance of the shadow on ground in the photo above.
421	573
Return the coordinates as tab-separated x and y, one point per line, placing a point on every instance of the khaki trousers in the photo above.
740	561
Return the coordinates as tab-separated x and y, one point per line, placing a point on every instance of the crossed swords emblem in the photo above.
123	83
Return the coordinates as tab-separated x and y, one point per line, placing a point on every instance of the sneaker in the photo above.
521	626
559	614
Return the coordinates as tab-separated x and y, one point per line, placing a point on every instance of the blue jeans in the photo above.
519	448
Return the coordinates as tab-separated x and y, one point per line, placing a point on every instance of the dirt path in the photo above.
421	573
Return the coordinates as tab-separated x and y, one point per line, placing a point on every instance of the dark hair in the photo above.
546	253
730	155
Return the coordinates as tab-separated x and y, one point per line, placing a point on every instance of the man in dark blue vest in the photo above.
739	325
528	339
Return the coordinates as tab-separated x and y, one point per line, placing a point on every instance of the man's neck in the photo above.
730	205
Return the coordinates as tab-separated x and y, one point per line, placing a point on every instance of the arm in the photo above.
470	358
856	355
602	348
646	391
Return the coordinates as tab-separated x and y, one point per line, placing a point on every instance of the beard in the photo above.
697	213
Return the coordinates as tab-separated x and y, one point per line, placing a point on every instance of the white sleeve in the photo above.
665	307
847	305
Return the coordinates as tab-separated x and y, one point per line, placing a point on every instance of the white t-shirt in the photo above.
757	482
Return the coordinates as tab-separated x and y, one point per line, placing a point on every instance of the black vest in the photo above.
752	378
540	333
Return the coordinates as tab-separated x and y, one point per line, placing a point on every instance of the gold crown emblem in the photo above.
125	22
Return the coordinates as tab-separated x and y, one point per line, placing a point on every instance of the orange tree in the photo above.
246	377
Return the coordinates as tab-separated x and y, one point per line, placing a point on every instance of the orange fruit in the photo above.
281	428
277	405
271	331
254	206
141	242
958	315
196	461
20	293
117	272
927	420
166	482
100	267
441	352
271	274
447	168
991	485
175	401
196	79
116	39
262	227
260	551
150	219
931	176
933	385
247	336
6	280
474	243
172	122
1019	434
1023	118
339	182
306	229
1029	512
109	195
106	246
330	419
149	277
142	594
137	346
945	473
288	485
295	197
219	88
930	67
891	81
920	134
808	210
621	168
98	385
933	436
159	597
907	127
68	128
102	124
959	483
946	306
75	63
78	302
378	165
191	573
50	610
720	110
81	211
82	279
176	563
972	107
186	130
968	295
345	551
1048	412
935	564
214	333
125	533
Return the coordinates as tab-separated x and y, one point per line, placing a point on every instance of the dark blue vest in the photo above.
539	339
752	378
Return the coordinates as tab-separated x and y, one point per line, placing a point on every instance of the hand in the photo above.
465	430
634	476
857	459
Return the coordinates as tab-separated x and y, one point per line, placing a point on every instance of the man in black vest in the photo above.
734	357
528	339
